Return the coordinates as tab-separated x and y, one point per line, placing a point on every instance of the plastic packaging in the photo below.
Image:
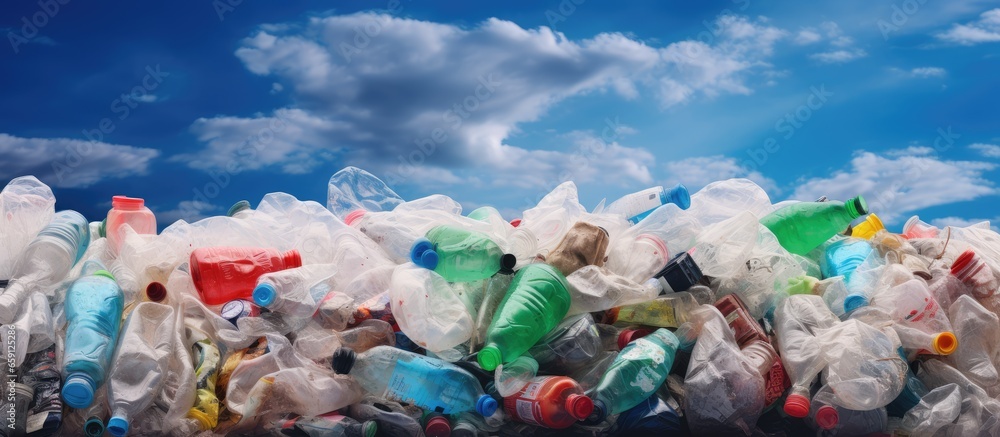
390	417
429	309
636	373
94	306
975	274
921	323
843	257
668	311
352	188
27	205
128	211
535	303
584	244
206	366
574	343
639	259
427	382
867	228
803	226
460	255
295	292
798	321
864	368
510	378
222	274
555	402
637	206
978	333
41	374
328	424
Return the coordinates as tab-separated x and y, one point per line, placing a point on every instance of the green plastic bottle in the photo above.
460	255
802	227
537	300
638	371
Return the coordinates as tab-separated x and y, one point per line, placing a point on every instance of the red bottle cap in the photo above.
797	406
826	417
516	222
126	203
579	406
156	292
292	259
437	427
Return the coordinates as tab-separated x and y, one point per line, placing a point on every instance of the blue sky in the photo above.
194	105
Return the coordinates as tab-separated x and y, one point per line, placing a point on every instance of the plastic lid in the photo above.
235	310
156	292
106	274
118	426
422	254
945	343
242	205
868	228
797	405
854	301
489	358
343	360
681	272
507	263
857	207
292	259
353	216
516	222
579	406
626	336
126	203
94	427
486	405
679	195
264	294
78	391
369	428
438	426
827	417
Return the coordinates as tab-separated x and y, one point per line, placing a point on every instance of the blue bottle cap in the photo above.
486	405
599	414
264	294
854	301
422	254
78	391
94	427
679	195
118	426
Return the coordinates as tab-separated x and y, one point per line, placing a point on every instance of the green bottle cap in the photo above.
489	358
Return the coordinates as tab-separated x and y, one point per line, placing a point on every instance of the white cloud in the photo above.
807	36
838	56
910	151
987	150
69	163
276	88
381	102
697	172
898	184
146	98
960	222
187	210
925	72
985	29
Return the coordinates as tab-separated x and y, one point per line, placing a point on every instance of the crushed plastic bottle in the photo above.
802	227
636	373
459	255
222	274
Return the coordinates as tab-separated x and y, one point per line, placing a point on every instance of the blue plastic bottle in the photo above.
94	306
843	257
637	206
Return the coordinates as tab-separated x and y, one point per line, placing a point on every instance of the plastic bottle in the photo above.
555	402
510	378
802	227
47	260
864	368
668	311
128	211
429	383
843	257
429	309
535	303
392	422
435	424
222	274
40	372
978	332
909	397
584	244
27	205
294	292
798	321
867	229
975	274
636	373
94	305
834	420
640	259
570	345
921	323
744	327
140	364
754	341
460	255
637	206
328	424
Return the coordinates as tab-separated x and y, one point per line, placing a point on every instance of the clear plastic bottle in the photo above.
668	311
569	346
426	382
27	205
637	206
510	378
978	332
47	260
535	303
294	292
94	305
141	363
921	322
460	255
222	274
554	402
386	229
636	373
802	227
429	309
975	274
128	211
798	320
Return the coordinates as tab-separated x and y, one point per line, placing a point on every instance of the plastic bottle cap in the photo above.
486	405
680	196
599	412
945	343
353	216
126	203
507	263
854	301
118	426
237	309
156	292
422	254
343	360
489	358
579	406
626	336
797	406
94	427
78	391
516	222
857	206
264	294
438	426
369	428
106	274
827	417
242	205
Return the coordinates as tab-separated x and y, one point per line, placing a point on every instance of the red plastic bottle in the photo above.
554	402
222	274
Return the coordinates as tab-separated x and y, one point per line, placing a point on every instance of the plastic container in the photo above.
294	292
535	303
128	211
637	206
680	274
843	257
429	383
94	305
667	311
584	244
636	373
798	320
916	228
460	255
569	346
554	402
975	274
802	227
744	327
867	229
222	274
639	259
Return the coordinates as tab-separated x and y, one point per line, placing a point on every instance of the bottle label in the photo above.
526	411
647	378
635	204
526	407
420	382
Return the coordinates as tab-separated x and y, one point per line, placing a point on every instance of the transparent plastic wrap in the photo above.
352	188
978	332
920	321
798	321
26	205
428	310
319	344
552	218
950	410
594	288
307	391
33	328
639	258
864	368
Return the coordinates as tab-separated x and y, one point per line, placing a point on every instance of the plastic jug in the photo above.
128	211
636	373
535	303
555	402
222	274
637	206
460	255
94	305
802	227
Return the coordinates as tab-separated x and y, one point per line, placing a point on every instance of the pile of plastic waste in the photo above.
661	313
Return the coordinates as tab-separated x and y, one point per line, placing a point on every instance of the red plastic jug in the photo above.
222	274
554	402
